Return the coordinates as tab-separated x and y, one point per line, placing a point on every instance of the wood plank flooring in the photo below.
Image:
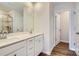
62	49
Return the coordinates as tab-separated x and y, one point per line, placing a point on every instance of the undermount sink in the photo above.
18	35
10	38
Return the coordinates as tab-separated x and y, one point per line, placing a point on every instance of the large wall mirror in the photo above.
6	22
11	17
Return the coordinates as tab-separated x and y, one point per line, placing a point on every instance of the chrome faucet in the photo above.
3	35
31	31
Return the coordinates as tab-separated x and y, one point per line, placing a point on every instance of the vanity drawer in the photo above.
30	47
31	52
20	52
38	44
30	42
12	48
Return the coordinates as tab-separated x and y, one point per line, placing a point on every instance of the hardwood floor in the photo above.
62	49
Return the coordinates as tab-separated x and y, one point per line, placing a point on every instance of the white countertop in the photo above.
16	37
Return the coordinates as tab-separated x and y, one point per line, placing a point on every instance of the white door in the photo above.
64	15
57	28
38	44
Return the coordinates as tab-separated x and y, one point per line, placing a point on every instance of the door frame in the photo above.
69	28
56	29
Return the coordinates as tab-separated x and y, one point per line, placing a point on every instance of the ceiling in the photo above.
18	6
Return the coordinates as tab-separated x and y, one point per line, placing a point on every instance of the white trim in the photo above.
48	52
72	49
77	52
57	43
64	41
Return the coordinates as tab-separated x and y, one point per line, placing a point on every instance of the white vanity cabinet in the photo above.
20	52
38	44
35	45
30	47
18	48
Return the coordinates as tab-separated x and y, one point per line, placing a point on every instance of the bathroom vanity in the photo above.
14	39
22	44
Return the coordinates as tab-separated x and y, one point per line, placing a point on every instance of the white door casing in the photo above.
57	28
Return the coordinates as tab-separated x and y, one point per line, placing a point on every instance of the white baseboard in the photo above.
77	52
72	49
64	41
48	52
57	43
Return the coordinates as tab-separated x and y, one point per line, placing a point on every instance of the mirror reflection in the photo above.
6	23
11	17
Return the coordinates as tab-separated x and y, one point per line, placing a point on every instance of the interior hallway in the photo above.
62	49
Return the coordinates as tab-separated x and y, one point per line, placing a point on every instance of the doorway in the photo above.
62	27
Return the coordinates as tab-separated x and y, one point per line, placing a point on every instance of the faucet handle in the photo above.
1	32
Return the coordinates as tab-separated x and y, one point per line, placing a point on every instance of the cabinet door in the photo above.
38	44
12	48
12	54
20	52
30	47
